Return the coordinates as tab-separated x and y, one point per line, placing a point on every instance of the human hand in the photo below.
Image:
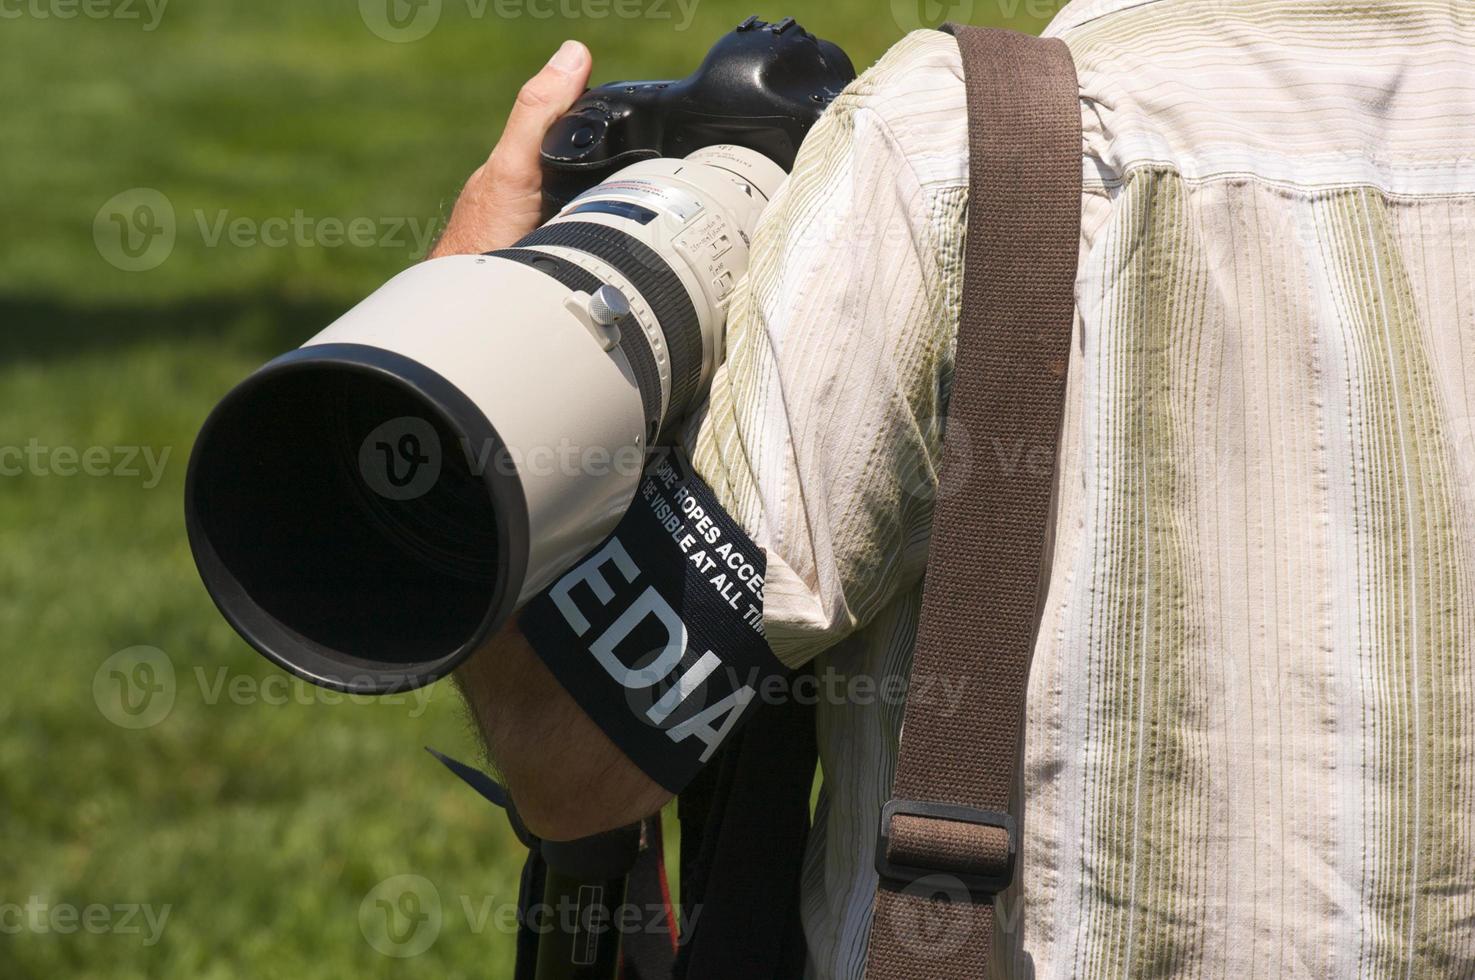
568	778
502	201
565	775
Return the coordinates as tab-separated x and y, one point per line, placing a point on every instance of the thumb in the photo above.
545	97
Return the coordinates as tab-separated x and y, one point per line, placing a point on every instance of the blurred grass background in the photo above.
262	826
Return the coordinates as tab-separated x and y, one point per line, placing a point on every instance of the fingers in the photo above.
545	97
502	201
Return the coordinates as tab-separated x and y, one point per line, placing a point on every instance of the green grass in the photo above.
261	826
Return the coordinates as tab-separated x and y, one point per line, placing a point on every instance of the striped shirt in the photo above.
1250	745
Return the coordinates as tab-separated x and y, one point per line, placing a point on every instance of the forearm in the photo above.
566	777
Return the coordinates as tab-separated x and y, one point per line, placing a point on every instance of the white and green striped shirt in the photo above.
1251	729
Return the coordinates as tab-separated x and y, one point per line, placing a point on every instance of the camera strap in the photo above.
744	827
610	877
657	634
947	844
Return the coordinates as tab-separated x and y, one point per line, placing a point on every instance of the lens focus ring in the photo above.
634	343
659	285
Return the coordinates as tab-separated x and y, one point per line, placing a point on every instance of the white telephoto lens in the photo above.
366	510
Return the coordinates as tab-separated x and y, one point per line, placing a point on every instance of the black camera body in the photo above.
762	86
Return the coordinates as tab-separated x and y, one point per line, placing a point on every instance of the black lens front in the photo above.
346	526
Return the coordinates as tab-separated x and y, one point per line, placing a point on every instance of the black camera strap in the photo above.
628	864
744	827
739	918
657	634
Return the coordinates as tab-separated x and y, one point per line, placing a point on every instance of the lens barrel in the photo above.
366	510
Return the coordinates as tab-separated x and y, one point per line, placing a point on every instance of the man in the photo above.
1249	747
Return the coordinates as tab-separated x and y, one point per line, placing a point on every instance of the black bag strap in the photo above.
947	844
744	825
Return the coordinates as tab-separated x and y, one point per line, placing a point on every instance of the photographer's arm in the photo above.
822	436
568	778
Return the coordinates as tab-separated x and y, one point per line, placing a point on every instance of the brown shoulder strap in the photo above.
947	844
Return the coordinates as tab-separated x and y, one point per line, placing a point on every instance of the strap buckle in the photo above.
900	863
